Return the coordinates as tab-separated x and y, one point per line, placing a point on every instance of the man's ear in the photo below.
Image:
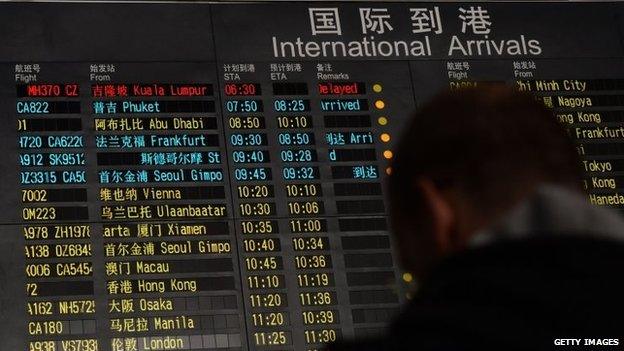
443	217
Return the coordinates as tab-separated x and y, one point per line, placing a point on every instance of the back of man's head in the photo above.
481	150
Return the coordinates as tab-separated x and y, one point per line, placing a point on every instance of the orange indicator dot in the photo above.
407	277
387	154
379	104
385	137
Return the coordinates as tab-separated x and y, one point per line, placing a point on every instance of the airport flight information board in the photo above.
211	176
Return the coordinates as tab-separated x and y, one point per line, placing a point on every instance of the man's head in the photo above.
467	158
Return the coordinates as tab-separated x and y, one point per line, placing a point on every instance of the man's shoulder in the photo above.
369	344
401	341
517	294
557	251
555	268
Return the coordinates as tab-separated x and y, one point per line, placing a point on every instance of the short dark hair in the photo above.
491	142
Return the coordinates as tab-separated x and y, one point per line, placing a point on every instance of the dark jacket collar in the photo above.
554	210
